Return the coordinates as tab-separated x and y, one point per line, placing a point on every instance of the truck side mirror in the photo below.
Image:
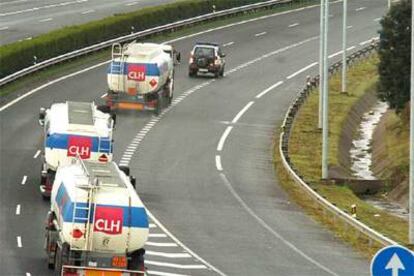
42	116
133	181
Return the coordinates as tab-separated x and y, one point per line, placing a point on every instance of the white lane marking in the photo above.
152	225
301	70
260	34
36	154
167	255
351	48
192	253
104	95
19	241
24	180
264	92
18	207
360	9
349	27
157	235
218	163
46	20
335	54
4	28
223	138
270	229
43	7
368	41
228	44
175	265
245	108
132	3
87	12
28	274
160	273
377	19
162	244
175	40
12	2
293	25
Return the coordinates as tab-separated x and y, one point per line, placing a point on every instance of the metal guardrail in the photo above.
295	175
141	34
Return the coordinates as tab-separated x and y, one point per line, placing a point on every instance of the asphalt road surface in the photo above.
204	167
24	19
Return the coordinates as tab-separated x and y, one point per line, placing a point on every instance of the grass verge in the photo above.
71	66
305	152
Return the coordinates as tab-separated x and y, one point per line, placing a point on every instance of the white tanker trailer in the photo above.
97	222
140	76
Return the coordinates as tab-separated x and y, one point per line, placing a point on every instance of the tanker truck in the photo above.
97	224
73	129
140	77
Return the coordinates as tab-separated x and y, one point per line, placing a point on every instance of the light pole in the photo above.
411	190
344	28
325	123
321	32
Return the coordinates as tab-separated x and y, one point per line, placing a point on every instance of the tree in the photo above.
395	56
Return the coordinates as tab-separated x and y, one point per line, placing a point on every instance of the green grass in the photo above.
305	152
65	68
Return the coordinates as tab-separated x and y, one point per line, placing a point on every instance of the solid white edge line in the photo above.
164	264
165	230
104	95
18	207
223	138
19	242
301	70
167	255
268	228
238	116
218	163
24	180
36	154
264	92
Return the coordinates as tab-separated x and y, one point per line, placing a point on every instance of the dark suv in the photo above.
206	58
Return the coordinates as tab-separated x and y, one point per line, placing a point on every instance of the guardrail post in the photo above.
34	60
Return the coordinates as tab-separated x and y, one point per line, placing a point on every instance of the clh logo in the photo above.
109	220
136	72
80	146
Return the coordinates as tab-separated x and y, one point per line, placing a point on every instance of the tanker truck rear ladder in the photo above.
117	52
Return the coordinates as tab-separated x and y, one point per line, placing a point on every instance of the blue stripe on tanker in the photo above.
60	141
151	69
139	217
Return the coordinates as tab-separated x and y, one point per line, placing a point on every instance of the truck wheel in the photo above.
158	106
217	74
125	169
170	91
192	73
62	255
137	261
222	72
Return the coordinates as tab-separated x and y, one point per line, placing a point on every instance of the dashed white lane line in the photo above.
19	241
18	207
218	163
360	9
164	264
349	27
24	180
162	244
377	19
104	95
28	274
4	28
87	12
46	20
132	3
301	70
43	7
36	154
160	273
293	25
228	44
167	255
260	34
264	92
238	116
223	138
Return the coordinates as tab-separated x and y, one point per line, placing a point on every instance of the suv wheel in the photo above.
192	73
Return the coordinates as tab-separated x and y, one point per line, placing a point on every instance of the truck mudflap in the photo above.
68	270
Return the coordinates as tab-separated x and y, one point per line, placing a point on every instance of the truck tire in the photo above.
125	169
104	108
136	261
222	72
192	73
170	93
158	106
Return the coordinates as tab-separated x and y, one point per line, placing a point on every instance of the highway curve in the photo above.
23	19
204	167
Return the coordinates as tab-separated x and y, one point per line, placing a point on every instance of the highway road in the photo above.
24	19
204	167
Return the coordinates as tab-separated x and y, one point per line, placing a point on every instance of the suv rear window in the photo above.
204	52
